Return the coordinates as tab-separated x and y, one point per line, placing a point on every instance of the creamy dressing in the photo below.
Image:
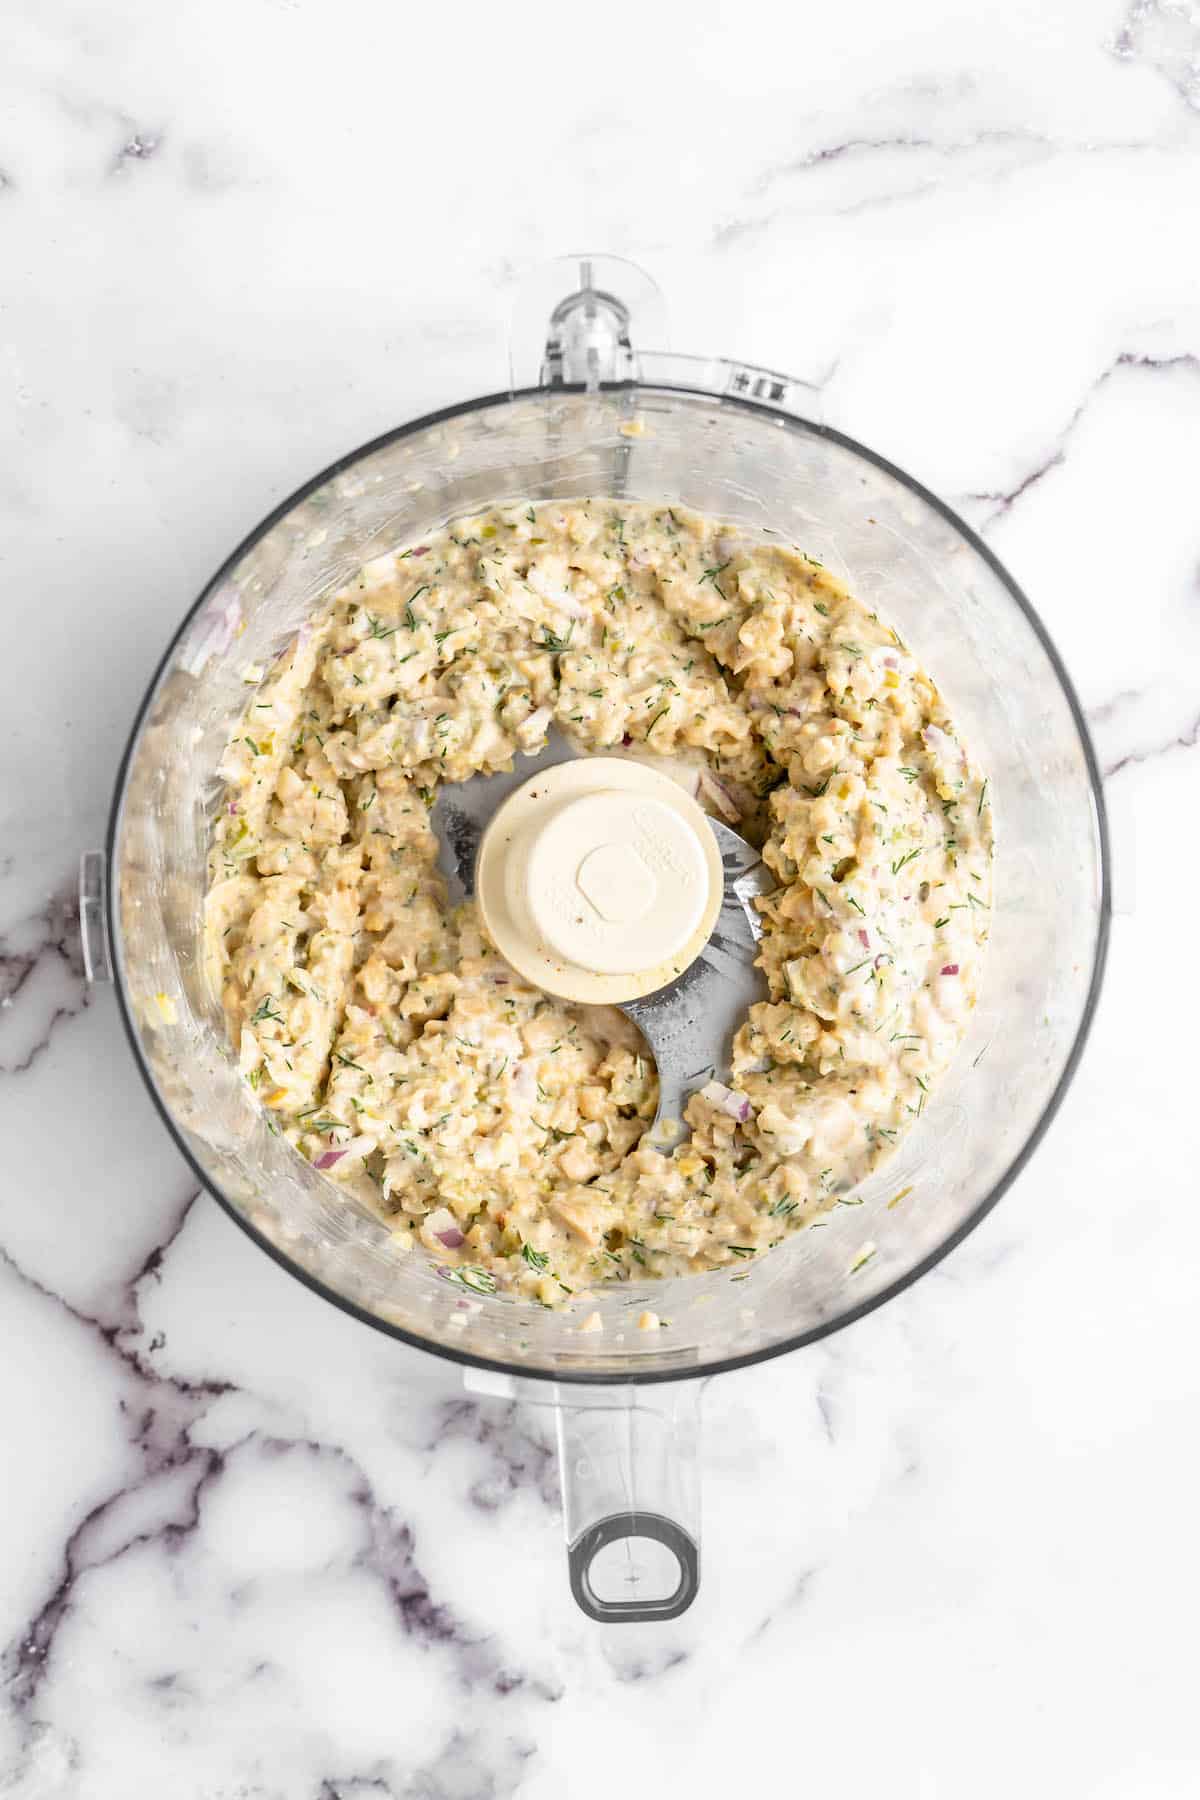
500	1128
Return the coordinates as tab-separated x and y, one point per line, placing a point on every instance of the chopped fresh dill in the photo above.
551	642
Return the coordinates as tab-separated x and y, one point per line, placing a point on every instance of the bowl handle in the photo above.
628	1461
93	917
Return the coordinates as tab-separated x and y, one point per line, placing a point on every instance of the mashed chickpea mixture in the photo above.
503	1130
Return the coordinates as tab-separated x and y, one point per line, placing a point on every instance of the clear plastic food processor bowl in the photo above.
724	439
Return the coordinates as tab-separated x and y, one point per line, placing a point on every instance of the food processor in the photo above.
592	410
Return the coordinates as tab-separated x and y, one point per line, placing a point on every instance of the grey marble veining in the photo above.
255	1551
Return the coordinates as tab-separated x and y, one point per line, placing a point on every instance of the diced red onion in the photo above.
232	809
327	1159
717	792
949	968
864	937
626	740
421	550
718	1095
442	1225
219	623
891	662
524	1082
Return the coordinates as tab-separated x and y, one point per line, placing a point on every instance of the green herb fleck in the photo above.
711	575
479	1281
554	644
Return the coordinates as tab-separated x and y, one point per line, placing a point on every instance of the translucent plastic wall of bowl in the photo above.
906	558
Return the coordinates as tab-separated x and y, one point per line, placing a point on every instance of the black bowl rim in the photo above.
632	1376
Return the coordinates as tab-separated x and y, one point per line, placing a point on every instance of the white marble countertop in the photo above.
253	1550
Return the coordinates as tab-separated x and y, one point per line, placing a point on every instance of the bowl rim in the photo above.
568	1375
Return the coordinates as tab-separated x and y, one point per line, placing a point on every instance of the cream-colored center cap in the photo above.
619	885
600	879
616	881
